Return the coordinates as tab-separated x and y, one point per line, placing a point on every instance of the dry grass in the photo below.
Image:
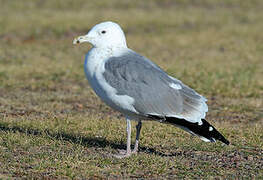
53	126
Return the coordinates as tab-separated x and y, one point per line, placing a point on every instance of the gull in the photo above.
138	88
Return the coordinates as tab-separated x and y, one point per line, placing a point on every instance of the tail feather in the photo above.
205	131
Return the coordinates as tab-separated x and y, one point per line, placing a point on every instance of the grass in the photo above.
52	125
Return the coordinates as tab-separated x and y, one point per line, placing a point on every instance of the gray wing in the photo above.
153	90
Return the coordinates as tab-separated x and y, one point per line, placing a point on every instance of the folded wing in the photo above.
154	91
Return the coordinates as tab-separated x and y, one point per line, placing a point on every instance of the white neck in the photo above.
97	56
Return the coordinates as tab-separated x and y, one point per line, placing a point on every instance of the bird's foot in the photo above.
124	154
134	151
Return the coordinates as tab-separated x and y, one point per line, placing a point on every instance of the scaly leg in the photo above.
128	148
138	130
126	153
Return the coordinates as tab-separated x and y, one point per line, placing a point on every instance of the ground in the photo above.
52	125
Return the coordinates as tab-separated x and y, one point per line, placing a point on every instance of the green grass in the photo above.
52	125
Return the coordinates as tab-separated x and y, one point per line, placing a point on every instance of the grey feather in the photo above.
134	75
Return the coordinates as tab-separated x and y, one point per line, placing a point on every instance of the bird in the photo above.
139	89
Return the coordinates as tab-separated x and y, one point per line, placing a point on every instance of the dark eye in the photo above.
103	32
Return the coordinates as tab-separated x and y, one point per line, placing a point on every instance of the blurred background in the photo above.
53	125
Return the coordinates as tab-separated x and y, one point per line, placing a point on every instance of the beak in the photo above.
81	39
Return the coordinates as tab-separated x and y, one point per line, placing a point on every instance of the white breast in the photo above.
94	69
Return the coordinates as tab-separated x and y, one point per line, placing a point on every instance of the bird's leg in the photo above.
128	152
128	149
138	130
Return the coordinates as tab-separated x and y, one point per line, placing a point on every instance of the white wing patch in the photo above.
175	86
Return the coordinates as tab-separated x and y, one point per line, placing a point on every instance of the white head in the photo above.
105	34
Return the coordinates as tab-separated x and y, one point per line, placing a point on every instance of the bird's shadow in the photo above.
79	139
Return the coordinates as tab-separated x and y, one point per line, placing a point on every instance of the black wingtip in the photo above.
205	130
224	140
214	133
